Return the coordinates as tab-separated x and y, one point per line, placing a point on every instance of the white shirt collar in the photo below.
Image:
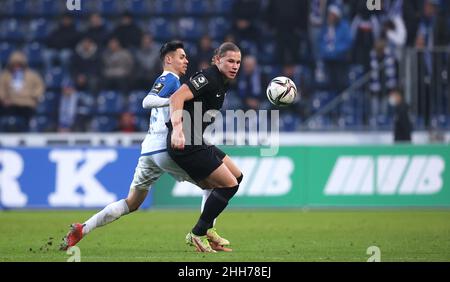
167	72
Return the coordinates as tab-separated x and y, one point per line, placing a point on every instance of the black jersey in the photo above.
209	87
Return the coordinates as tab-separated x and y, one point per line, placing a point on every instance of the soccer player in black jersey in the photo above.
206	164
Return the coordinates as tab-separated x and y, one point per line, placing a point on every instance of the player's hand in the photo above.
177	139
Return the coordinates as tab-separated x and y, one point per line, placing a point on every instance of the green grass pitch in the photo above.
257	236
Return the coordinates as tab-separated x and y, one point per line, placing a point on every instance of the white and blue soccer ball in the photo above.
281	91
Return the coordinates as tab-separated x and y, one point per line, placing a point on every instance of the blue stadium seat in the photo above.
13	124
19	8
142	123
48	8
289	122
190	28
5	50
86	104
355	73
267	53
223	6
135	103
196	7
104	124
218	28
12	30
109	7
320	99
161	29
33	51
48	105
110	103
39	29
54	77
42	123
138	7
166	7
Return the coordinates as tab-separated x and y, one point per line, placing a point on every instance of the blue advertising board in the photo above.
66	177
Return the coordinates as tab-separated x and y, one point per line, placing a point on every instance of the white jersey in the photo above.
155	141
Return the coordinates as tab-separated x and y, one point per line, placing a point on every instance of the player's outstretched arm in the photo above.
154	101
176	115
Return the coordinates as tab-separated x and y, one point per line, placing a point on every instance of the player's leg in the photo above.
146	173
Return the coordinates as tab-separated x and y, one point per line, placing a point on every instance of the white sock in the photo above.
110	213
206	194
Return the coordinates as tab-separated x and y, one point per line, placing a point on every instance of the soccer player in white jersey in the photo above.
154	160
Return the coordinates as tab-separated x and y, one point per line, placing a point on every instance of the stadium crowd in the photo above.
89	70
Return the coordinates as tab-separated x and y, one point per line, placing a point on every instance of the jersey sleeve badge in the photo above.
199	81
157	88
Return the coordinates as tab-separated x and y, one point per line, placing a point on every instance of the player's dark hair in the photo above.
168	47
213	59
225	47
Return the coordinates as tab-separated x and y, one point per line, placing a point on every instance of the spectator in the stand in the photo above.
127	123
128	32
411	16
335	45
97	30
72	116
383	76
244	26
205	52
250	85
60	43
317	19
147	62
117	67
365	31
289	19
20	89
402	123
86	66
394	31
432	32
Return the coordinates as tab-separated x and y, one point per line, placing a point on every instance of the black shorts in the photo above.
198	161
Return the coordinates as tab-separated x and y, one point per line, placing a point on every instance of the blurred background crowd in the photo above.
88	70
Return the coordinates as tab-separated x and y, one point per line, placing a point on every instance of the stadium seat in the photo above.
86	104
12	30
223	6
135	103
43	123
218	28
138	7
166	7
19	8
267	53
39	29
289	122
190	28
109	7
142	123
47	8
5	50
110	103
13	124
195	7
104	124
33	52
54	78
161	29
48	105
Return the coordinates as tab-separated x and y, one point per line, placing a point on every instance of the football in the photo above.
281	91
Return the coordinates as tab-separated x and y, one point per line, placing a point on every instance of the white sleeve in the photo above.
153	101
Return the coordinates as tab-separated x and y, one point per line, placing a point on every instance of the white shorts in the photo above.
151	167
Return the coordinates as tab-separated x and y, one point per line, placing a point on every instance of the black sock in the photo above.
215	204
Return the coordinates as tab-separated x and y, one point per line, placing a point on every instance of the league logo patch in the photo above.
199	81
157	88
